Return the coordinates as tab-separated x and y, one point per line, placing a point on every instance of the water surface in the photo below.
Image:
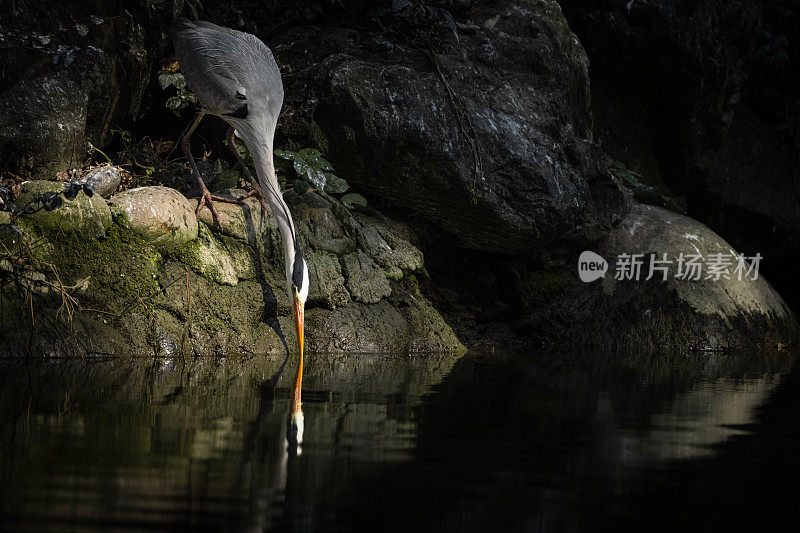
500	442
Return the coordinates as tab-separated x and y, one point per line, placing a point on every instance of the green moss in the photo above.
207	257
120	265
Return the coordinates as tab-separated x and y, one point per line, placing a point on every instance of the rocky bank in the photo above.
141	274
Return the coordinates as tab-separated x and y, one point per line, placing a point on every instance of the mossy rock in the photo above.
703	313
83	216
223	262
326	283
160	215
365	279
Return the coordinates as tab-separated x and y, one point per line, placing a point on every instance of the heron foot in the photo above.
207	199
255	192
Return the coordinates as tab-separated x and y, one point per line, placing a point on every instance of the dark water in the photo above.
503	442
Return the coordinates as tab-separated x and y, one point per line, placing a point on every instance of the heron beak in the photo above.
298	380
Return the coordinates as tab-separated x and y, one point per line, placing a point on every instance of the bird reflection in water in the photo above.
296	424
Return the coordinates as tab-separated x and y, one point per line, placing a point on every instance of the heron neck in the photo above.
265	170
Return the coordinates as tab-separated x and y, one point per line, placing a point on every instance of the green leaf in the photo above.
165	79
334	184
314	159
179	81
353	199
304	170
284	154
175	102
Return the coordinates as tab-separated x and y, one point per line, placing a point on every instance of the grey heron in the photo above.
234	76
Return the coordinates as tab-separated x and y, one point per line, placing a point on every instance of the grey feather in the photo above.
217	62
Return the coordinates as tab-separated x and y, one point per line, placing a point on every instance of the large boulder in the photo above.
699	97
157	282
160	215
712	310
485	133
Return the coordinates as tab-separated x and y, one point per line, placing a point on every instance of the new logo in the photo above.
591	266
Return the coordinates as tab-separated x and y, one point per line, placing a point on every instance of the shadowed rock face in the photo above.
681	63
704	313
69	69
487	136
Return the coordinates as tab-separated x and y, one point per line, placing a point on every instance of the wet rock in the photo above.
84	216
505	164
360	327
365	279
160	215
427	329
103	180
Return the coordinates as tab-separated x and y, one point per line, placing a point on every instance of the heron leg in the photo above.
206	198
256	190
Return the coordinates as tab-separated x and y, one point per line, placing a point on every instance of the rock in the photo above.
42	124
240	221
83	216
680	100
210	259
553	307
320	226
60	87
365	280
326	283
151	286
160	215
388	245
701	314
373	328
103	180
427	329
505	164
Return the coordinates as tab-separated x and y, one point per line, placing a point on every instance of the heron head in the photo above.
298	281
